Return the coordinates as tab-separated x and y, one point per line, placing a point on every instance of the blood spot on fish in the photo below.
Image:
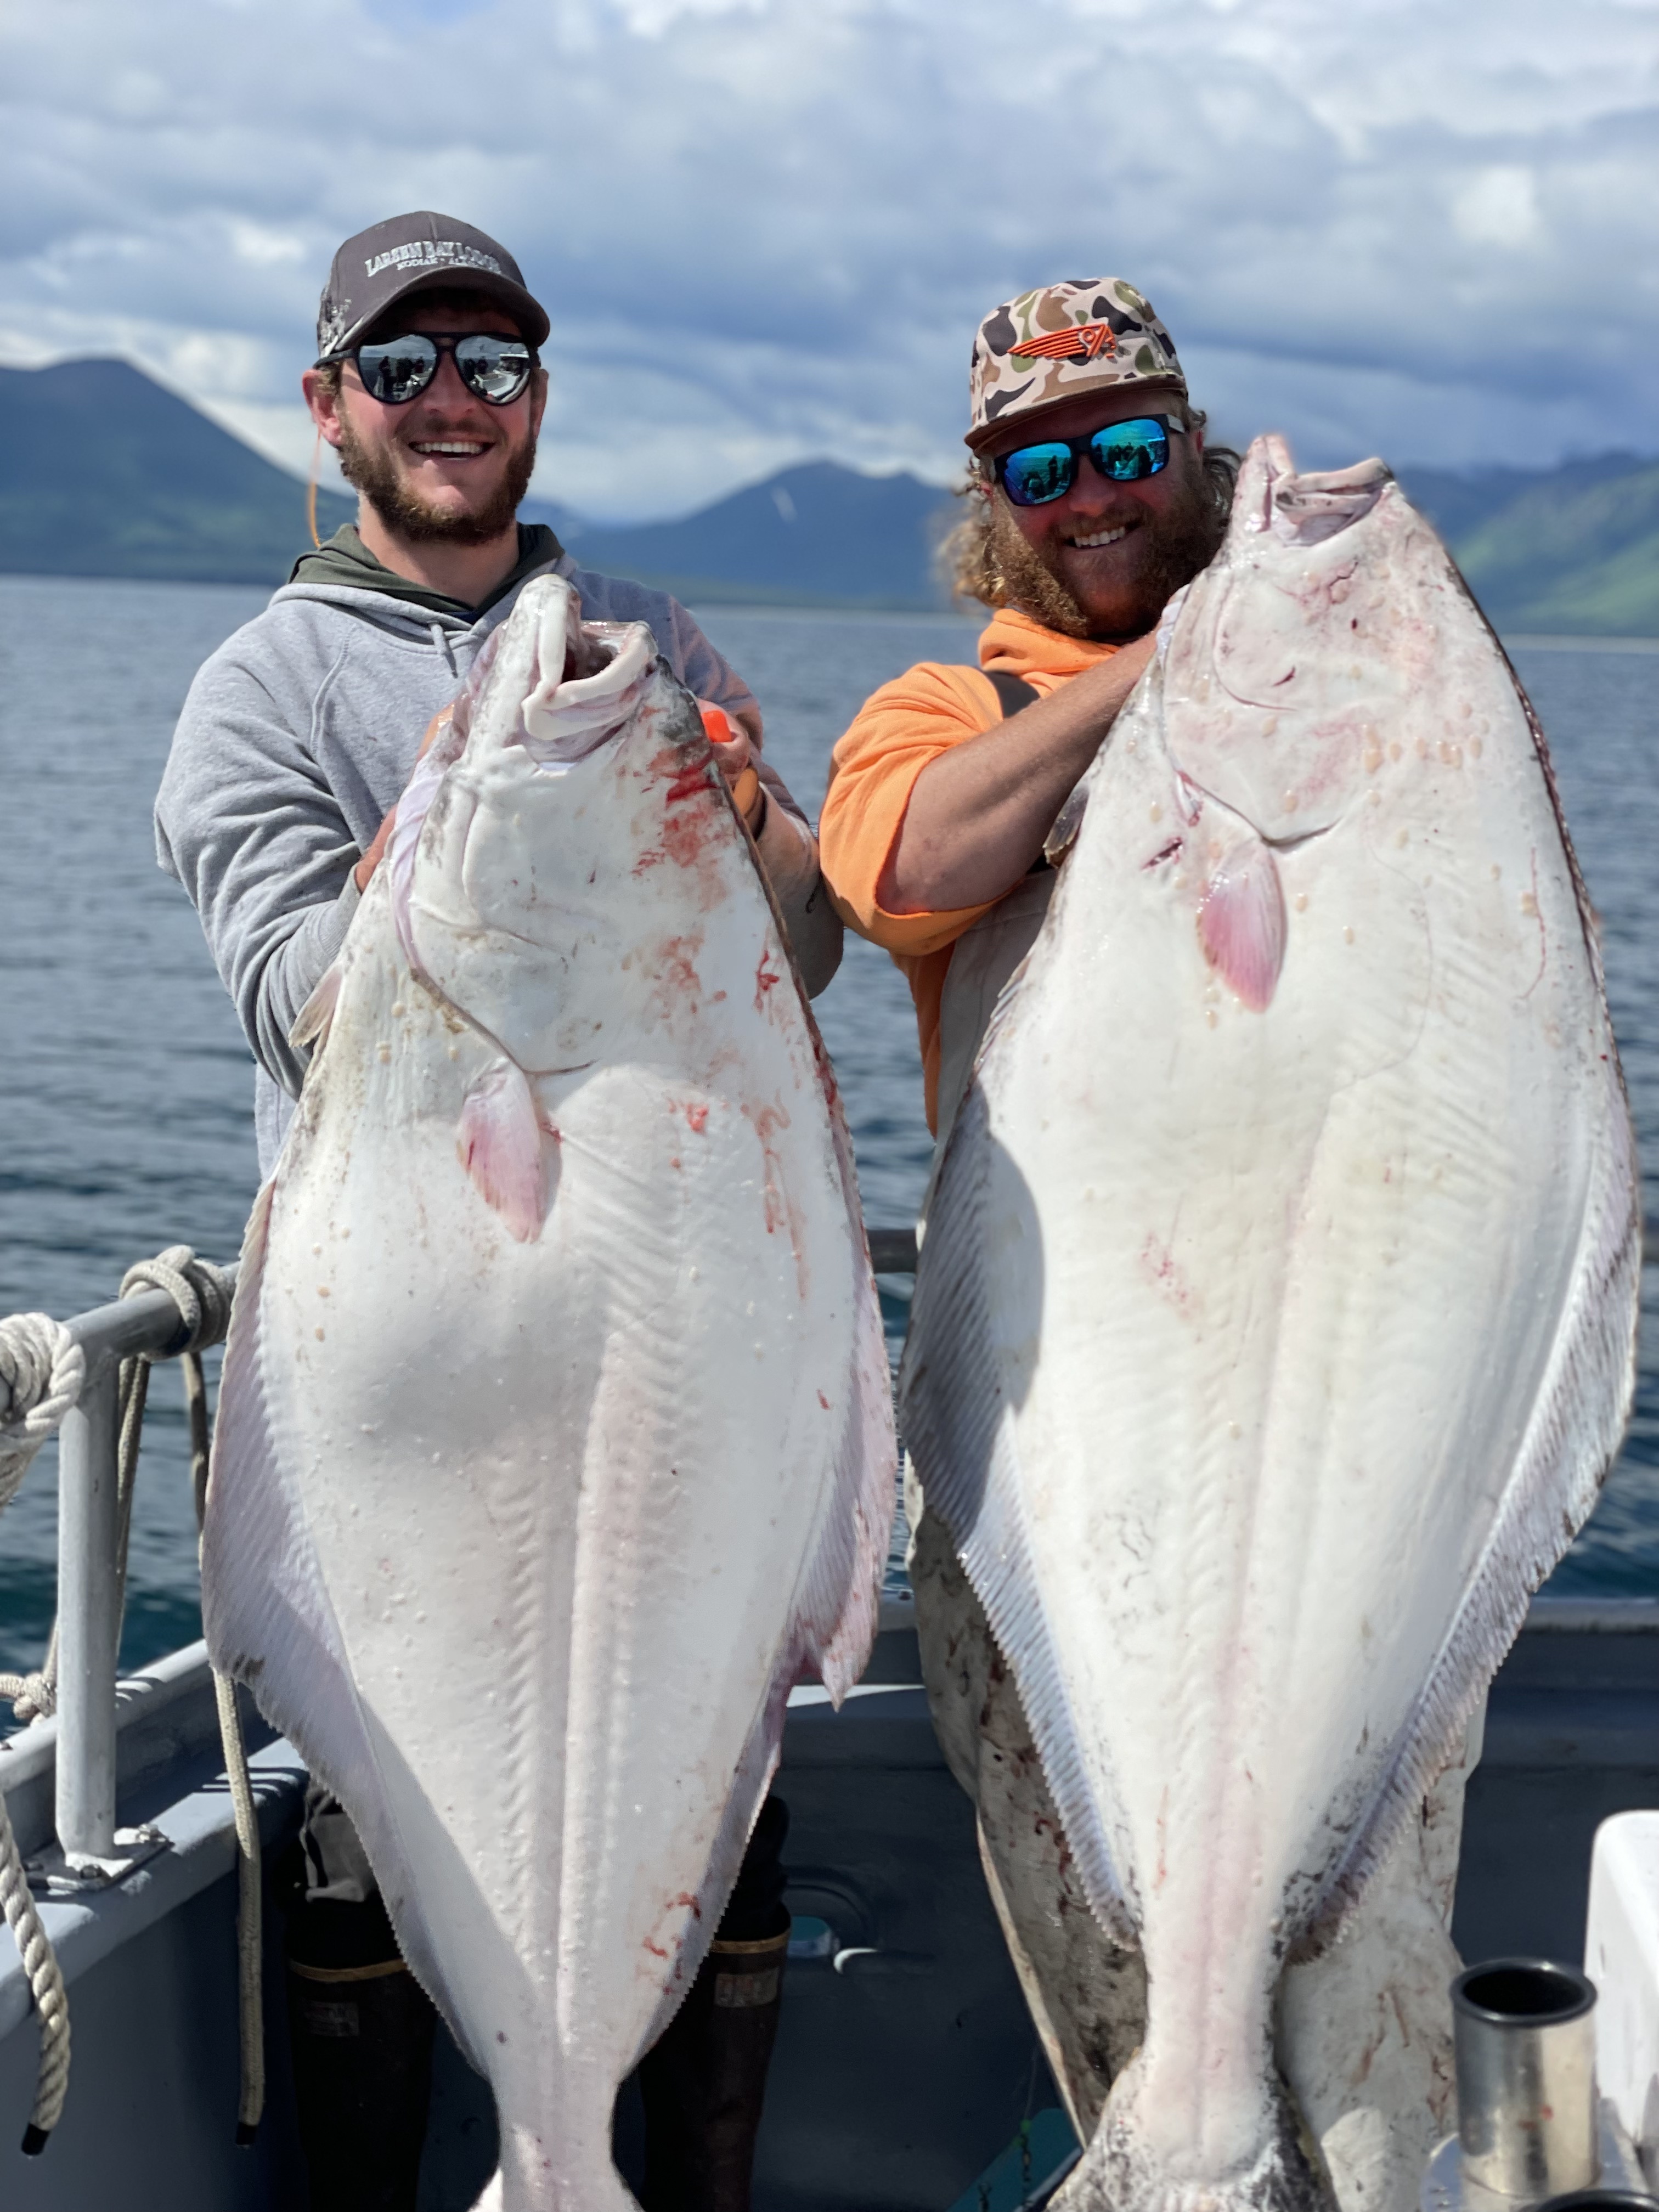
697	1118
824	1402
691	778
766	978
678	976
655	1949
1165	1272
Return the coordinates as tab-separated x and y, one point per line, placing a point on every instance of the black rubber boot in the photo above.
702	2084
361	2029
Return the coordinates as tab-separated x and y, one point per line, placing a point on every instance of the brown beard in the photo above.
1026	580
1186	540
372	472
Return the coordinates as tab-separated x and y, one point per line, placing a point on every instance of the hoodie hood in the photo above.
343	561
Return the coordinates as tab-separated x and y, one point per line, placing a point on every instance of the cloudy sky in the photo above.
764	229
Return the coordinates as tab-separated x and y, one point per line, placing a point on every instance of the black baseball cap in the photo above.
421	253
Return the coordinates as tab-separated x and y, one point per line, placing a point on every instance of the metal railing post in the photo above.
87	1625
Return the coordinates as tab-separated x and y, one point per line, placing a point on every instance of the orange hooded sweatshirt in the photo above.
898	730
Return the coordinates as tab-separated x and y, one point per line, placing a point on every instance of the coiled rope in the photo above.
42	1371
42	1368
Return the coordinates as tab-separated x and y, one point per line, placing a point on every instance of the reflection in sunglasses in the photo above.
495	367
1124	453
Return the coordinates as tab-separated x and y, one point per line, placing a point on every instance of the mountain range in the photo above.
105	472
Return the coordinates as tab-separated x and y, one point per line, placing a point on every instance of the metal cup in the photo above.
1525	2041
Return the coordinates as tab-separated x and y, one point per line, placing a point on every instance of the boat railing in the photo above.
150	1326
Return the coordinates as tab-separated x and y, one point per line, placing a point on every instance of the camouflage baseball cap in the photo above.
1088	335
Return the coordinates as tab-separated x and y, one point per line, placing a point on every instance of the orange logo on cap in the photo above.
1083	341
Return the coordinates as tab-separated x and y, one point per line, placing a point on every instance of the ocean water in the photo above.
126	1087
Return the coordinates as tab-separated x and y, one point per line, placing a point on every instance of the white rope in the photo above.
249	1963
201	1293
45	1982
42	1370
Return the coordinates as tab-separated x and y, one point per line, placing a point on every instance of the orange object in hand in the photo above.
719	729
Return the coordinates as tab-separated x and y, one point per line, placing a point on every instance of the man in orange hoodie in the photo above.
1094	501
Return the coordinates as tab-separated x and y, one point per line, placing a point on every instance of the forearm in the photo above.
978	814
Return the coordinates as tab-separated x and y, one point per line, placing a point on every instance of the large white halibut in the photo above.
1275	1318
555	1442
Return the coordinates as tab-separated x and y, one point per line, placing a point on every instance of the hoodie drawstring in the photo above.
441	642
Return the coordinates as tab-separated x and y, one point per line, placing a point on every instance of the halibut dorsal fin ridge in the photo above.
262	1592
1551	1492
963	1452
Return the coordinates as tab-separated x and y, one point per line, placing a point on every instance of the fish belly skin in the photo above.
1266	1357
522	1540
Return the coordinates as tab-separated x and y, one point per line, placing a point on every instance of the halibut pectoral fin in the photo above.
1576	1427
952	1405
313	1022
263	1593
499	1143
1241	922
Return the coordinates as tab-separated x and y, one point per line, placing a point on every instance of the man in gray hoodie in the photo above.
295	740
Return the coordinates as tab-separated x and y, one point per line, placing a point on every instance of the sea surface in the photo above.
126	1087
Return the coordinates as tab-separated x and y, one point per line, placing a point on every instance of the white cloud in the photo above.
766	228
1499	206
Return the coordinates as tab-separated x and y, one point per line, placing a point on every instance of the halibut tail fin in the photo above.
1123	2170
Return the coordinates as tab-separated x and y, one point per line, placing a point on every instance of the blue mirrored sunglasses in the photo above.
1124	452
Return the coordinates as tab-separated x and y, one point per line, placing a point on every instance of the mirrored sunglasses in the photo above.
397	370
1123	452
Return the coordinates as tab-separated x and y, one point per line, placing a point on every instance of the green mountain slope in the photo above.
103	472
1583	561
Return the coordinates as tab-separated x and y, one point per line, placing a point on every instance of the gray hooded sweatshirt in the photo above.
299	733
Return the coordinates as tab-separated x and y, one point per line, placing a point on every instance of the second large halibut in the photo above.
1274	1322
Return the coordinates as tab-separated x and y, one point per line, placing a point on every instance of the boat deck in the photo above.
902	2071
